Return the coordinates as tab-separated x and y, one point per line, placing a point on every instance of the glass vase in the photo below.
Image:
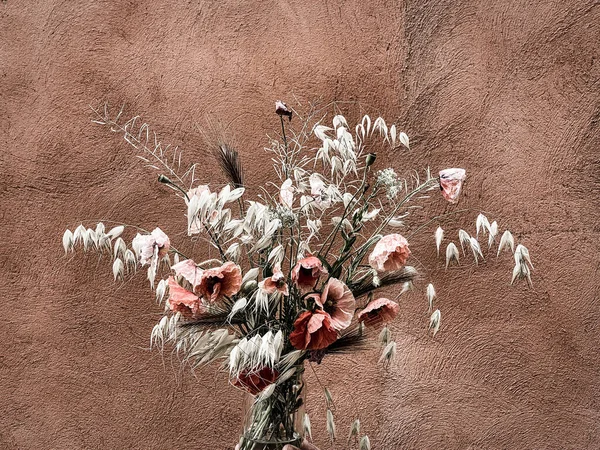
273	422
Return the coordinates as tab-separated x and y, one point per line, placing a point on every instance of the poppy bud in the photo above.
281	109
371	159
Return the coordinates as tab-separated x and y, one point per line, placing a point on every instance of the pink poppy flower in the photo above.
255	381
390	253
188	270
286	194
220	281
183	301
377	311
145	245
450	183
306	273
282	109
337	301
313	331
275	282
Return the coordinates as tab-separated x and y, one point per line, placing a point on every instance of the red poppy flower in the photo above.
275	282
220	281
183	301
313	331
390	253
307	271
337	301
378	311
255	381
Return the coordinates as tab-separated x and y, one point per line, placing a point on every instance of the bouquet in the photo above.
293	274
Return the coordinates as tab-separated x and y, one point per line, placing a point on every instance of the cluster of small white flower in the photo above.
391	182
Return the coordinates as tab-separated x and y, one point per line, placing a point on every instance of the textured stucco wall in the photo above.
506	89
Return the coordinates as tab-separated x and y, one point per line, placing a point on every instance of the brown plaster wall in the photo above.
506	89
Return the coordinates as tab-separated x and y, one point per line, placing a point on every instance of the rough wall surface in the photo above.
506	89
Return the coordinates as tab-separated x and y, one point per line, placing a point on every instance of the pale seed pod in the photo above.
389	353
130	260
119	248
365	443
439	235
354	430
79	234
430	295
404	140
330	425
435	321
307	426
118	269
67	241
452	254
384	336
161	290
464	238
475	248
507	240
482	224
493	233
116	232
